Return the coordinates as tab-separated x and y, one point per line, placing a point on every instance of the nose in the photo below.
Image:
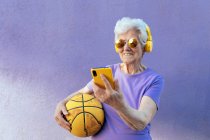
126	47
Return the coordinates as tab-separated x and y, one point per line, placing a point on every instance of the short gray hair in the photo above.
127	23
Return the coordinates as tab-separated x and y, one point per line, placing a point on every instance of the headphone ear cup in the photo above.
116	50
148	46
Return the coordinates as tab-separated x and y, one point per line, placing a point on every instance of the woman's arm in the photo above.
83	90
139	119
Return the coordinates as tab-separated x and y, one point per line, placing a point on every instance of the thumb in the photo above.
116	85
65	112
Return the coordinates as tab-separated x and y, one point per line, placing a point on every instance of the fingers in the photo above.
62	122
116	85
60	116
96	90
99	92
65	112
94	86
106	82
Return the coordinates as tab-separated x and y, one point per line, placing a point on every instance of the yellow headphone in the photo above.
149	44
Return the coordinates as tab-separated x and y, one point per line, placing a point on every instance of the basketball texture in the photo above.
86	115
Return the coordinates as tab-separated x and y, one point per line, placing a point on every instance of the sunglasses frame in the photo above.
132	43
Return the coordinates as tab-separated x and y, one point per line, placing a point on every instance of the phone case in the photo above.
106	71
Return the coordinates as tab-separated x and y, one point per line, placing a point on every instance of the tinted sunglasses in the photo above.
132	43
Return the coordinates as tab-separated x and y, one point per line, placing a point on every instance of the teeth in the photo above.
127	54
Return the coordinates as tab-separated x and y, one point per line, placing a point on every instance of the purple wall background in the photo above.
47	48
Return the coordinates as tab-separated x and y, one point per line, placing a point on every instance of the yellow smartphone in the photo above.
106	71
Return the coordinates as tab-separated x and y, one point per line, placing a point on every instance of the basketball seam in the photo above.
81	113
85	106
82	101
85	129
94	118
100	123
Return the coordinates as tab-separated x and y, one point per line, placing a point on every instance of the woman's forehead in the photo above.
130	33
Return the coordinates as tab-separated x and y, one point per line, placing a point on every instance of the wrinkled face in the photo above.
130	55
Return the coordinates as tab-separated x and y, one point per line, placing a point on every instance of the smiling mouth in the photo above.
128	54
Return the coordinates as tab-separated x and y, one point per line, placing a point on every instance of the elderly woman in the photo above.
131	106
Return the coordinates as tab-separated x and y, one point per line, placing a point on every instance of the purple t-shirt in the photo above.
133	87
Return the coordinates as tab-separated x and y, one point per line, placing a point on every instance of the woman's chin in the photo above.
128	62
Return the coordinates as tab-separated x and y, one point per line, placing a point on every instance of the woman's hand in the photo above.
59	115
110	96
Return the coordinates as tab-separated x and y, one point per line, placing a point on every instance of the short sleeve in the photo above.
155	89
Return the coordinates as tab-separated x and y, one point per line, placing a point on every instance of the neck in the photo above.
132	68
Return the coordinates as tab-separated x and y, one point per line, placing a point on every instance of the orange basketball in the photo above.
86	115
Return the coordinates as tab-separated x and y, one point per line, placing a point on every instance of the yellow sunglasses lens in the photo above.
119	43
132	43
